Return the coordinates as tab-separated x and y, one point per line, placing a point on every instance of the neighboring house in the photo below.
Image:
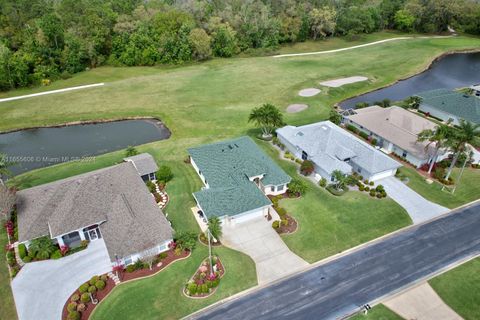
396	130
237	176
332	148
145	165
476	90
111	203
450	105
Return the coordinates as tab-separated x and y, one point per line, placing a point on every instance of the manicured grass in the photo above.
7	309
460	289
329	224
468	189
161	297
379	312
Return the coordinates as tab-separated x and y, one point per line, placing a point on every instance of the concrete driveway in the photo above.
41	288
419	208
257	238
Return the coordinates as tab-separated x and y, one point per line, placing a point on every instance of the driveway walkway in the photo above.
41	288
419	208
421	302
257	238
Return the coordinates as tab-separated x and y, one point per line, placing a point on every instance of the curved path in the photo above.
52	91
356	47
338	288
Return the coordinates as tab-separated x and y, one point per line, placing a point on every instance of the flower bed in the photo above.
286	226
203	284
78	307
164	260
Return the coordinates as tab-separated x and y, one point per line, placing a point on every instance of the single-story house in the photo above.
396	130
448	105
237	177
111	203
145	165
332	148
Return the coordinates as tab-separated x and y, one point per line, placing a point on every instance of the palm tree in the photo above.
341	179
215	227
266	117
43	247
466	133
439	137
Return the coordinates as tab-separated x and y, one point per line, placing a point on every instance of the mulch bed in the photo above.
220	270
205	242
291	227
124	276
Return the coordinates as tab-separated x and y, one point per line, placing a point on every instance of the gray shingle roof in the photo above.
464	106
327	145
144	163
227	166
116	195
397	125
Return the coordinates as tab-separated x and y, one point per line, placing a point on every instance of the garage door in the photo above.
248	215
382	175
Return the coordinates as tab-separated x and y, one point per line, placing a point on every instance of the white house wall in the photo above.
205	182
246	216
290	147
134	257
268	190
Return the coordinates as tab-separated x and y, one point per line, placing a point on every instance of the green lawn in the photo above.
161	297
460	289
379	312
329	224
7	309
468	189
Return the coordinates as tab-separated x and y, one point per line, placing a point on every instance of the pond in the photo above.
452	71
36	148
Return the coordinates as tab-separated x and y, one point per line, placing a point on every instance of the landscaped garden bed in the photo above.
287	224
79	308
204	240
205	280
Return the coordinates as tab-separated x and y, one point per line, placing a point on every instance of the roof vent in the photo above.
230	147
300	133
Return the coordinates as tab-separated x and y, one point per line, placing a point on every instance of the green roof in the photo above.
461	105
227	167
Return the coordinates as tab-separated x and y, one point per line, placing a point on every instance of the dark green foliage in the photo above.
83	288
297	187
73	315
130	268
363	134
307	167
130	151
361	105
72	306
352	128
92	289
335	117
43	247
56	255
151	186
85	297
322	183
215	227
192	288
162	255
164	174
186	240
335	191
22	250
93	280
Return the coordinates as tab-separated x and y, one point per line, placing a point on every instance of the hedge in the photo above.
22	250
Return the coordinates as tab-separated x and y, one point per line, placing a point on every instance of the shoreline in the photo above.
155	121
337	105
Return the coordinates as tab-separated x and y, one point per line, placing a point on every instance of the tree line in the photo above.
43	40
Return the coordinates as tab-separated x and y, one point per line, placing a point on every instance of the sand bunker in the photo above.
343	81
297	107
309	92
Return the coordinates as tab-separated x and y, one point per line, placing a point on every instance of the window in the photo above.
404	154
272	188
127	261
280	188
304	155
163	247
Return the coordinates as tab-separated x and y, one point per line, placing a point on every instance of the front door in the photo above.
92	234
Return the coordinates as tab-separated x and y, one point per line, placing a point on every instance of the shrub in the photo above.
139	264
83	288
374	142
104	277
204	288
367	189
307	167
366	181
130	268
85	297
56	255
130	151
22	250
192	288
100	284
363	134
84	244
361	105
93	280
371	183
75	298
372	193
276	224
361	187
164	174
72	306
31	254
322	183
163	255
360	177
74	315
379	188
281	211
92	289
151	186
298	161
352	128
27	259
284	222
297	187
186	240
439	173
379	195
81	307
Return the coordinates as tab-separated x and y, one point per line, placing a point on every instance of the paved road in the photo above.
419	208
339	287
